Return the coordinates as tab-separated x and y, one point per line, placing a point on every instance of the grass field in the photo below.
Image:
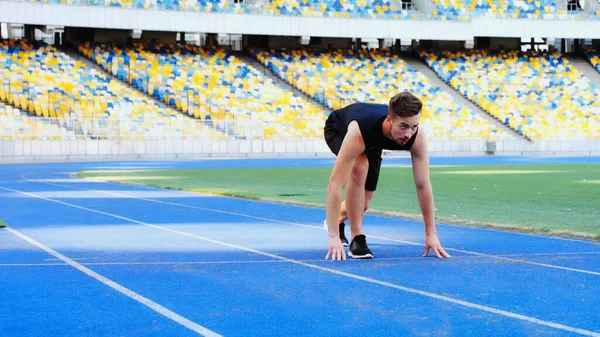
555	199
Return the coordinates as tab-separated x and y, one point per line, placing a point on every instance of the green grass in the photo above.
554	199
2	223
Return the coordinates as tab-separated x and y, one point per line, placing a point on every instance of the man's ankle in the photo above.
352	235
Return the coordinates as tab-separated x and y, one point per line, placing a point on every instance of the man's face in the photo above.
403	128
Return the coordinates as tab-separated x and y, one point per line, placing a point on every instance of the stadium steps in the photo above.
254	63
416	63
73	53
582	64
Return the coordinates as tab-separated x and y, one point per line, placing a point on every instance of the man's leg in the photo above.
355	194
362	183
355	208
370	184
344	212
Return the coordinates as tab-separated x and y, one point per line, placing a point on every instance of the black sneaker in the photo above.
359	249
342	234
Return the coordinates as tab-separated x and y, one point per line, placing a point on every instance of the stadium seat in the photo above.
537	93
339	8
45	82
342	77
381	9
593	57
213	6
17	125
462	10
210	84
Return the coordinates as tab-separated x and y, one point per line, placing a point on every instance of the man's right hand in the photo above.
336	249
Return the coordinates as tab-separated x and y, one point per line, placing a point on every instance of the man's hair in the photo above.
405	104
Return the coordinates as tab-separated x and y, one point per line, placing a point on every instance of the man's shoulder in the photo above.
420	143
368	105
362	108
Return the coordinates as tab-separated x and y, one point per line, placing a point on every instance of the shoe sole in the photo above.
360	257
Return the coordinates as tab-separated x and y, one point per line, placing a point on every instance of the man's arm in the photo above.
352	146
420	162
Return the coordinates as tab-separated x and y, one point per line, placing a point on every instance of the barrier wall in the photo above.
11	150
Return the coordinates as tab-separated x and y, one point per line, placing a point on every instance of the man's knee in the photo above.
360	169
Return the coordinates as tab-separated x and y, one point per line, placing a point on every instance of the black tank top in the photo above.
370	118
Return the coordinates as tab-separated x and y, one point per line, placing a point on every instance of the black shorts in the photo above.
334	140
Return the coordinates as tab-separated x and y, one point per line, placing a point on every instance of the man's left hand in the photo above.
432	242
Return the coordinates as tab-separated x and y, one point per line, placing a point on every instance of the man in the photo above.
357	134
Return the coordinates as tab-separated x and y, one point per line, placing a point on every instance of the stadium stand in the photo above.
317	8
212	6
594	58
462	10
211	84
459	10
340	8
337	78
16	124
47	83
537	93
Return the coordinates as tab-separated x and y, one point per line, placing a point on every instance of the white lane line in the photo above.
546	265
275	203
137	263
72	258
158	263
129	293
550	254
31	264
583	271
149	263
195	194
332	271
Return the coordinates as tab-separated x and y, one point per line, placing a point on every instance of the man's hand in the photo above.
432	242
336	249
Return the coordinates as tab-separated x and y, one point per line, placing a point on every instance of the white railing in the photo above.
72	128
114	148
65	138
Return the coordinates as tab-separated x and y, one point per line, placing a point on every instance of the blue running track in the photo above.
83	258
